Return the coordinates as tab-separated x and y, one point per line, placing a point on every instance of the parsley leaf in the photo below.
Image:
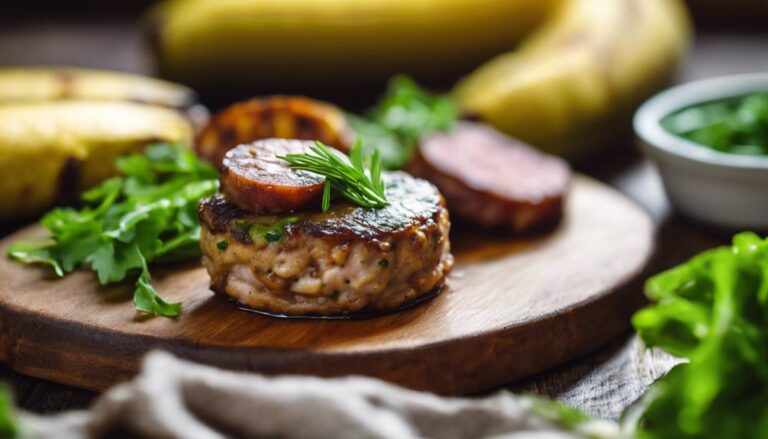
147	299
9	426
36	251
402	117
148	214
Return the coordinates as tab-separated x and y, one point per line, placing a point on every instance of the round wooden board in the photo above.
512	307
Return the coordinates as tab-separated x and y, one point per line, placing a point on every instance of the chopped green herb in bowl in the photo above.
735	125
709	140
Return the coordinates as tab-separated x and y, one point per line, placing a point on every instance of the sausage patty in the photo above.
285	117
492	180
347	260
256	179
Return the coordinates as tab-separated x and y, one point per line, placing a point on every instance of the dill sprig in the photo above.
346	175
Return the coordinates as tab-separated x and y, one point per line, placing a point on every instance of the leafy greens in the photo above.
149	214
738	126
713	311
9	425
404	115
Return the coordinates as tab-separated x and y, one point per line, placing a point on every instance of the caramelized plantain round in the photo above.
286	117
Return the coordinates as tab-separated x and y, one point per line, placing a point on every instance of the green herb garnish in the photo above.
9	425
270	232
149	214
404	115
713	311
737	126
554	411
346	175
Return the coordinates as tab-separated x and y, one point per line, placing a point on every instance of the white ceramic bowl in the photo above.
721	189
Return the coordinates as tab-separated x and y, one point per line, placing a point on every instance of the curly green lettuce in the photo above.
712	311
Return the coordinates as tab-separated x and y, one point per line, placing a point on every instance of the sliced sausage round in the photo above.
493	180
256	179
285	117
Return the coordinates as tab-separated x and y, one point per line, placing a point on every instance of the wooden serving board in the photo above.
512	307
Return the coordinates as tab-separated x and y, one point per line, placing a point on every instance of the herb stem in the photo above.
346	175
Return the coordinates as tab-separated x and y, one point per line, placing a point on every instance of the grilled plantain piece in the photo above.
52	150
285	117
32	84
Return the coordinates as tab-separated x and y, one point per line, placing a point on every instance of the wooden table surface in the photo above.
602	383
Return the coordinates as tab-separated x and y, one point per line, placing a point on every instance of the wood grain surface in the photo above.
513	307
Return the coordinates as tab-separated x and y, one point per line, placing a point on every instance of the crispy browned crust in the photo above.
414	202
470	197
347	261
254	178
287	117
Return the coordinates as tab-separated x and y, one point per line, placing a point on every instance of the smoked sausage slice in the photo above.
255	179
493	180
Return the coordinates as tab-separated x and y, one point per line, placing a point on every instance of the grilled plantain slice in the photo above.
52	150
31	84
285	117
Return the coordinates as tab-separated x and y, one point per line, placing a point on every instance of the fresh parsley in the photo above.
401	118
270	232
346	175
148	214
9	425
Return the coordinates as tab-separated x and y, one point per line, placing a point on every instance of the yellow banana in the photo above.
333	42
29	84
575	82
51	150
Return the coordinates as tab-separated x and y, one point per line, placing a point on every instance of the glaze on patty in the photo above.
347	260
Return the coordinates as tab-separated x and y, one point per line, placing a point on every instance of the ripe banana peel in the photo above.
61	129
31	84
52	150
575	82
318	43
567	89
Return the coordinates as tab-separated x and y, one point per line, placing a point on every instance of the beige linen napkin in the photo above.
172	398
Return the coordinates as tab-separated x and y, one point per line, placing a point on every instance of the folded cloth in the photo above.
172	398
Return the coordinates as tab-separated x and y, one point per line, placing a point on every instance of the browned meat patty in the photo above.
254	178
285	117
492	180
347	260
